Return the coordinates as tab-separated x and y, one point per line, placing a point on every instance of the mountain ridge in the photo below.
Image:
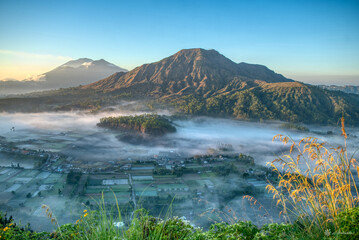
189	70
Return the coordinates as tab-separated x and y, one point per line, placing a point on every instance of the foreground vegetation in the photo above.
316	191
316	197
100	225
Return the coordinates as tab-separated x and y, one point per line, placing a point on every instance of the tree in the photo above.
28	195
73	177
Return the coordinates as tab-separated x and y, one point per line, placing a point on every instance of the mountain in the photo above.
346	89
203	82
71	74
80	72
199	71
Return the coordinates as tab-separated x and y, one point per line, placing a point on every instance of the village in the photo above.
192	185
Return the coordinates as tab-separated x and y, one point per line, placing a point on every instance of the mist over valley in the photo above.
191	133
72	141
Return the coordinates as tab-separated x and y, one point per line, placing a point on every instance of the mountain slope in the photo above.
292	102
204	82
189	71
71	74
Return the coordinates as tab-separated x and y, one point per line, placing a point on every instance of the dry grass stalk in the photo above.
315	196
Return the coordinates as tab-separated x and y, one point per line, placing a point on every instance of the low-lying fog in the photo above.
76	134
86	141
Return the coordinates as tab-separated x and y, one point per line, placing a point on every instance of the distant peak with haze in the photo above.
73	73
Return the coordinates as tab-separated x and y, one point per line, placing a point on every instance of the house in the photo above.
172	188
126	167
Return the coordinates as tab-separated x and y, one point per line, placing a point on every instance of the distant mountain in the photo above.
204	82
71	74
346	89
190	71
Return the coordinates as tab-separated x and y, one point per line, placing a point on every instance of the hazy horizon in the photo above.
311	41
315	79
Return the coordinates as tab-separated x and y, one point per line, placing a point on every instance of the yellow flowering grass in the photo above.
315	194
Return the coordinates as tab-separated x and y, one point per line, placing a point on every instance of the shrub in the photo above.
239	230
147	227
348	222
10	230
275	231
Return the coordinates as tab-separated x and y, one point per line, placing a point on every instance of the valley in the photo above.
168	120
187	136
67	162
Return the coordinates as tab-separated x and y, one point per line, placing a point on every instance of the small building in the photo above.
109	182
126	166
172	188
142	178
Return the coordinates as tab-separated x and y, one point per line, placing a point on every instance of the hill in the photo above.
291	102
151	124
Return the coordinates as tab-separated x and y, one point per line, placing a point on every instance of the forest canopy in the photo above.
151	124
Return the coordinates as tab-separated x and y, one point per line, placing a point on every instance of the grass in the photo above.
316	195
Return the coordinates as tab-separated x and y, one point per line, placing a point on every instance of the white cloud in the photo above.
33	55
86	64
41	77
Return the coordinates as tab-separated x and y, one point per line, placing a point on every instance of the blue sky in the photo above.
313	41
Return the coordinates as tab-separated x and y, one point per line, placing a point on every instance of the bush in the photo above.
239	230
348	224
10	230
275	231
147	227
